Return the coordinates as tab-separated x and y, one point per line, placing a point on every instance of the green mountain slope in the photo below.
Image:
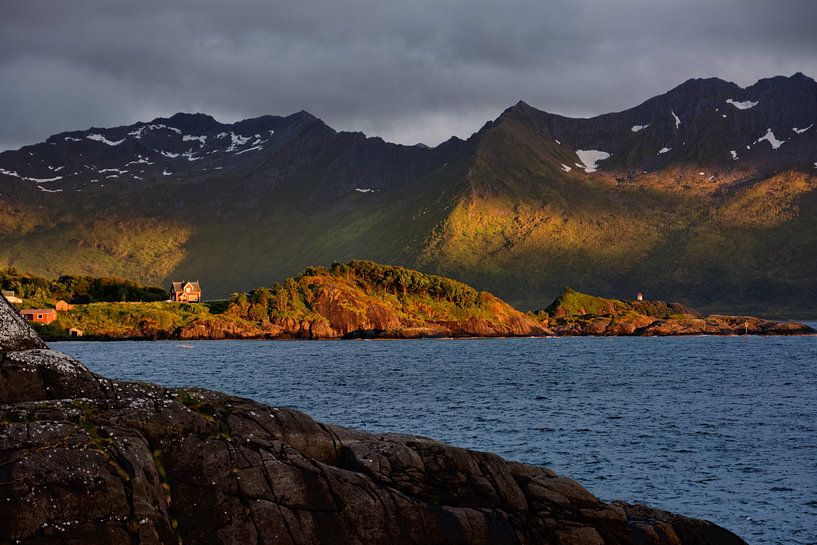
524	228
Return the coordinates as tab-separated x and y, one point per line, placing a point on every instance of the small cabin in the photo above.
12	298
186	292
63	306
75	332
39	315
639	296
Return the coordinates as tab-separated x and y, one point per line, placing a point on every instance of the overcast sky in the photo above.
409	70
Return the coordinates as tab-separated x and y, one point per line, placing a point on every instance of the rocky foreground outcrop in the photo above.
87	460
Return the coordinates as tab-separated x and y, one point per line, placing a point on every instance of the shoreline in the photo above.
105	339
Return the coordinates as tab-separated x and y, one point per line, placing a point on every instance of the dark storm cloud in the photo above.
406	70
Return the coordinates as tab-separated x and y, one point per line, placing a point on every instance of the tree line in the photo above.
78	289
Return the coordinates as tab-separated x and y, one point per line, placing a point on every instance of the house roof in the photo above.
38	311
179	286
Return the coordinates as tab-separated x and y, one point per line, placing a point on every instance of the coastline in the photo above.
104	339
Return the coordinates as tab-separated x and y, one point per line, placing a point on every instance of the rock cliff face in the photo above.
84	459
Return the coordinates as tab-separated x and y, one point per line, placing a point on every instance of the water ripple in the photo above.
721	428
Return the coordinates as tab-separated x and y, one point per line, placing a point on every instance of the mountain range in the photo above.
706	195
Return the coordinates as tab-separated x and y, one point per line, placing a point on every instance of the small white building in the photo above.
12	298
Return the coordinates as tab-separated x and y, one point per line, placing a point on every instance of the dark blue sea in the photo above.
721	428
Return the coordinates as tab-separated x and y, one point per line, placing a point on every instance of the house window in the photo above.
39	316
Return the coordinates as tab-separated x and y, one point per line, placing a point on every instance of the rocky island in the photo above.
575	313
89	460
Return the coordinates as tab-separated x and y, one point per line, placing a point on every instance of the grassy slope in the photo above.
280	235
525	229
122	320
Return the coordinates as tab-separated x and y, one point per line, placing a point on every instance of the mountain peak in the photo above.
521	106
196	122
704	86
801	76
520	110
777	83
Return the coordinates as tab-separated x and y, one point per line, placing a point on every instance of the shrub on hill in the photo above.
78	289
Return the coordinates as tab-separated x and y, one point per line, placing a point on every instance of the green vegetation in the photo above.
358	296
574	303
155	320
576	309
397	286
366	296
77	289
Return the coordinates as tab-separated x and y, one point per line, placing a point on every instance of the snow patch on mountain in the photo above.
566	168
589	158
169	154
27	178
189	138
664	150
43	180
636	128
734	154
365	190
236	140
99	138
140	161
152	127
72	139
676	118
801	131
745	105
770	138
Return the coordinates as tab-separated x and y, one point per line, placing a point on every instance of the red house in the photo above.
187	292
39	315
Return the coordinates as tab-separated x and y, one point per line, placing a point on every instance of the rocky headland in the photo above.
575	313
88	460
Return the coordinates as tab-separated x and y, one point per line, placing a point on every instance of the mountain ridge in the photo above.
704	194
